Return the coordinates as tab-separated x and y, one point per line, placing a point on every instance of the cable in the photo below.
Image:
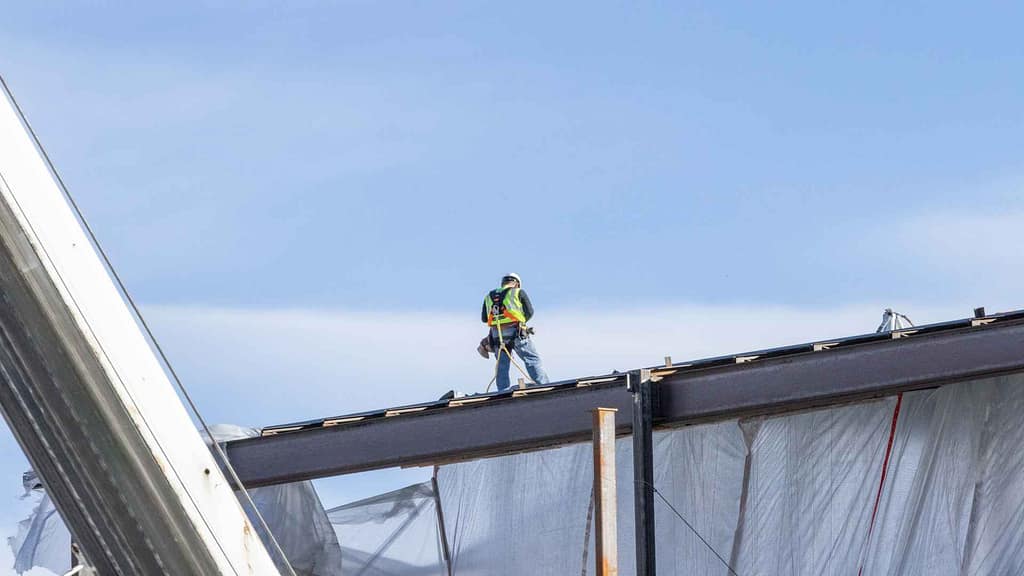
217	450
586	533
690	526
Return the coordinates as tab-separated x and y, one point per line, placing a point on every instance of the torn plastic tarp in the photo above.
292	511
42	539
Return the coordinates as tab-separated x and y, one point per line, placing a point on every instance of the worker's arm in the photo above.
483	312
527	305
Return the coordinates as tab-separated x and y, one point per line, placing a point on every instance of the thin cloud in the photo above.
978	253
260	367
963	239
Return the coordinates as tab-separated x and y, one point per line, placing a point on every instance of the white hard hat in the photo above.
513	276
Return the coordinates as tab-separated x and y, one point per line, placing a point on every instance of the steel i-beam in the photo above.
641	386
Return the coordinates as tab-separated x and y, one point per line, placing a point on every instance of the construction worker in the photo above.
506	311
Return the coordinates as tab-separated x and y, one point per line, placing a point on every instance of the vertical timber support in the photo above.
640	384
606	537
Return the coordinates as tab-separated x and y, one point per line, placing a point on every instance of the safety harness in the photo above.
502	312
505	307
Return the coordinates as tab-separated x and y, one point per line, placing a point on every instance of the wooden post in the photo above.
604	492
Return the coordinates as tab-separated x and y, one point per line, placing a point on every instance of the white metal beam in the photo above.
90	402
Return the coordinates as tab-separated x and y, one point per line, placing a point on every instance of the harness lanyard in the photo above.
511	359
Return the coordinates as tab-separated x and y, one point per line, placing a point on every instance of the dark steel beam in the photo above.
731	388
639	382
832	376
499	426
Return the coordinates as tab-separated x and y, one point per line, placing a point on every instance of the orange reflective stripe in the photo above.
500	320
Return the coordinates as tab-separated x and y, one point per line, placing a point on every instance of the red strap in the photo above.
885	470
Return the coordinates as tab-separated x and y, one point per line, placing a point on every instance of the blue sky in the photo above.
335	155
296	193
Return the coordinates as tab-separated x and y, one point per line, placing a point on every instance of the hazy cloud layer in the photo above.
259	367
980	251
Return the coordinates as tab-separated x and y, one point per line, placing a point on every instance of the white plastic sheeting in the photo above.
927	483
784	495
788	494
507	514
394	533
42	539
955	503
295	516
292	511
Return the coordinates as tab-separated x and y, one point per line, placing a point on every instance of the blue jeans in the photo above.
523	347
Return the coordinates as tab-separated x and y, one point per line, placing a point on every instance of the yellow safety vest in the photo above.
504	307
